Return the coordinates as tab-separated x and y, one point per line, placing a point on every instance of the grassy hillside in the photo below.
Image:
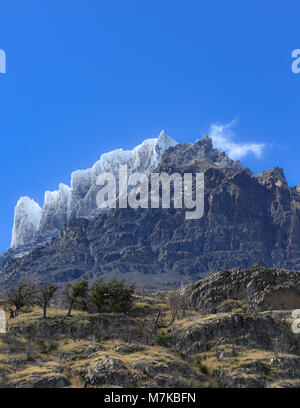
225	349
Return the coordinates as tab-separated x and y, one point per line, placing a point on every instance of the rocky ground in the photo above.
235	332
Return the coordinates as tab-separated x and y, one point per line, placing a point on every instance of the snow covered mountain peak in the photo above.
34	225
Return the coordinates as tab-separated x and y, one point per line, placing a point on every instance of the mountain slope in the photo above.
234	329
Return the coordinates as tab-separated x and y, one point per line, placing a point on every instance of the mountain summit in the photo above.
246	217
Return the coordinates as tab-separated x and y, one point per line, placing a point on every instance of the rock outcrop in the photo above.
266	289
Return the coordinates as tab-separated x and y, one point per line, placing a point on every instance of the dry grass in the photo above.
83	353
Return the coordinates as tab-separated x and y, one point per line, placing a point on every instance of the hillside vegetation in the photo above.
198	336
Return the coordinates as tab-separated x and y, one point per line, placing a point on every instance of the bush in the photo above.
27	336
245	309
162	339
44	349
114	296
182	354
201	367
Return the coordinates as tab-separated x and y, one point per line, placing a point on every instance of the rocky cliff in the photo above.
247	217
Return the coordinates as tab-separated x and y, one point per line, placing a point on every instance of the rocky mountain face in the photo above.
246	217
35	226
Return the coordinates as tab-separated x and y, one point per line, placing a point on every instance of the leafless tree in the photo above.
179	302
85	375
21	295
159	322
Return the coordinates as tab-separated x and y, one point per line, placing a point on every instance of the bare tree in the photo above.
21	295
85	375
179	302
46	293
159	322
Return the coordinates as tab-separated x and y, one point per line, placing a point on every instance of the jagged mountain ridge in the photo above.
35	226
246	217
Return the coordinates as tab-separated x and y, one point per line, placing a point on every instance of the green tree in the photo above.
114	296
98	295
76	293
45	294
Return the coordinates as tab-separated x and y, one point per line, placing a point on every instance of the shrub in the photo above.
244	309
44	349
162	339
114	296
182	354
201	367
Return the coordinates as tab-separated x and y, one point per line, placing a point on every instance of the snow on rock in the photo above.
54	213
143	158
27	214
34	226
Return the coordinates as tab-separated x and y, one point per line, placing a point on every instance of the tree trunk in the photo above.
69	311
45	312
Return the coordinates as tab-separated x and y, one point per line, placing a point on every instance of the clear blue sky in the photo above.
86	77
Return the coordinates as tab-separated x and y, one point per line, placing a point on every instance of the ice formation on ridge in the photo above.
26	218
33	225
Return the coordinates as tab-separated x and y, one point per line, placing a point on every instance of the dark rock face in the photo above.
246	217
267	289
36	381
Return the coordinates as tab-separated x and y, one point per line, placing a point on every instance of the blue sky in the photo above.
86	77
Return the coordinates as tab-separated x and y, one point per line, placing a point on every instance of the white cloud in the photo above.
222	136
